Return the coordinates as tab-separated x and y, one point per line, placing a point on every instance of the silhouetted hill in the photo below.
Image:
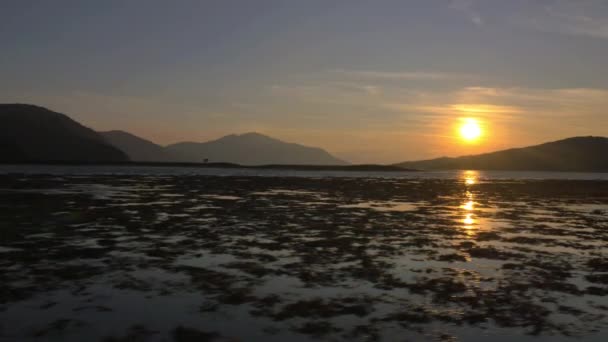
584	154
252	149
30	133
136	148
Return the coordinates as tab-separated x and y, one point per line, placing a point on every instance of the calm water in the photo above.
178	171
173	254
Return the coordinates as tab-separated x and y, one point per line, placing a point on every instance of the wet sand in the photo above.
203	258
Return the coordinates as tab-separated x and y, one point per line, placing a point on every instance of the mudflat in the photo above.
207	258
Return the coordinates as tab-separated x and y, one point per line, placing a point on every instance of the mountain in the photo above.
252	149
136	148
584	154
30	133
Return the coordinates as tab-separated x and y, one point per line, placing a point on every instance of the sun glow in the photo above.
470	130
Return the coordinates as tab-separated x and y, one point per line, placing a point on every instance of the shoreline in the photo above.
357	168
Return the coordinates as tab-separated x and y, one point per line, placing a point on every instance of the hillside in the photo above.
138	149
30	133
252	149
584	154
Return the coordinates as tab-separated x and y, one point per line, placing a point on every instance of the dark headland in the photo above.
30	133
577	154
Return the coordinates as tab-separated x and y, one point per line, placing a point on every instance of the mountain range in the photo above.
245	149
31	133
252	149
583	154
138	149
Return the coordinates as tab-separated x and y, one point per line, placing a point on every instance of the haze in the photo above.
369	81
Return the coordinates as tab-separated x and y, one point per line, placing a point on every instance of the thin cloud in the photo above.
452	110
467	7
581	18
405	75
510	103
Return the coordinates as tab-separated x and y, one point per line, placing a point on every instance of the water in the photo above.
110	254
192	171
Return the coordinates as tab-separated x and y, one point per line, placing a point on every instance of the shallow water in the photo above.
479	176
195	258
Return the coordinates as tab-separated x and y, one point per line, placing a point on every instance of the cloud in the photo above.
468	8
581	17
326	92
370	98
404	75
475	109
509	104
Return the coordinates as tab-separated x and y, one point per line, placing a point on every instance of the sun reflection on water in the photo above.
469	220
468	206
470	177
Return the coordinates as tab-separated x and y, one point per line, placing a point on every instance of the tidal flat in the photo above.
207	258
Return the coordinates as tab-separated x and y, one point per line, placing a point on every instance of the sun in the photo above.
470	130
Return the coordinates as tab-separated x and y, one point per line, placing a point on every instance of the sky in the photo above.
377	81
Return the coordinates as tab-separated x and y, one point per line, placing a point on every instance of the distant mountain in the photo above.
252	149
584	154
30	133
138	149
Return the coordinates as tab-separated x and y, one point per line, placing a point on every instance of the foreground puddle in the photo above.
203	258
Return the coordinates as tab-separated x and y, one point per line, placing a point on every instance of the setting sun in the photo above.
470	130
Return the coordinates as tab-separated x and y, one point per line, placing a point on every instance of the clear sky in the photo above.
370	81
